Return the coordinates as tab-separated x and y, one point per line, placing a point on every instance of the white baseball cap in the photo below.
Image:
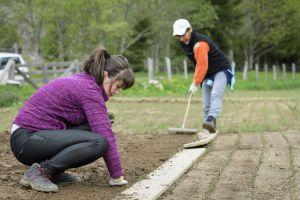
180	26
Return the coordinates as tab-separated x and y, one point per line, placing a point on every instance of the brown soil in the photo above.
236	166
140	154
196	182
247	166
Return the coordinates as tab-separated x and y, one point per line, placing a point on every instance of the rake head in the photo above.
182	131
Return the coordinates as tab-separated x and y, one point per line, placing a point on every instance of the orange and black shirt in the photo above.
206	56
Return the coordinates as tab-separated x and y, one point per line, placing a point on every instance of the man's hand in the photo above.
193	88
117	181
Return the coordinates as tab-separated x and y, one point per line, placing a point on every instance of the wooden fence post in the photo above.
77	68
71	69
233	65
257	71
11	71
274	72
283	70
155	65
293	70
55	71
27	79
169	71
245	72
8	72
150	69
185	69
45	68
266	71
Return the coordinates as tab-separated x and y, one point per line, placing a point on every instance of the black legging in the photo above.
58	150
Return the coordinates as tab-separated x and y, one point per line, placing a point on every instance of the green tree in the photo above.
9	30
288	50
266	24
30	16
228	22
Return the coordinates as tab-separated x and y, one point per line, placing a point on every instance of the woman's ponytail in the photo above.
116	66
96	64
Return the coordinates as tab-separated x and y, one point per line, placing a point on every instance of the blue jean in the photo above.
213	95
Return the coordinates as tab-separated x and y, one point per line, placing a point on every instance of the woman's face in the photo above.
111	87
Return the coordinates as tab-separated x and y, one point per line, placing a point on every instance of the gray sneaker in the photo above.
65	178
210	124
38	179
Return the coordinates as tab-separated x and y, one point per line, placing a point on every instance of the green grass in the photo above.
239	115
8	98
11	94
244	110
267	83
178	85
7	114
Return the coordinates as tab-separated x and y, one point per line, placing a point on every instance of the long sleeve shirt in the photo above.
69	101
201	56
205	55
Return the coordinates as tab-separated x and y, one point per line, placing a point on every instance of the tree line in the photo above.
255	31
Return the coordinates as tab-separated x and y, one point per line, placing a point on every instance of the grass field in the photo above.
243	111
239	115
176	87
253	106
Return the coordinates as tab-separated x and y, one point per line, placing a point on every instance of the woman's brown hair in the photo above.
116	66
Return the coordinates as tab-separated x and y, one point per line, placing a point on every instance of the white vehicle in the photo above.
5	57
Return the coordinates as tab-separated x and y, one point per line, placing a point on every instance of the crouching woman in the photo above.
65	124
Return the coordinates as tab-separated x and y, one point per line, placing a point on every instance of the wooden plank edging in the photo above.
158	181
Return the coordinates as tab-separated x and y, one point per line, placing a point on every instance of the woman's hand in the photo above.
111	117
117	181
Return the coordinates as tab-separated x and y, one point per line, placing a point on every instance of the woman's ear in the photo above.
106	74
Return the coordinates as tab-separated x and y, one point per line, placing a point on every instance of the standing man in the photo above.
212	70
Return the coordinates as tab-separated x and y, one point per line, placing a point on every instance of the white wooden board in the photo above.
158	181
202	139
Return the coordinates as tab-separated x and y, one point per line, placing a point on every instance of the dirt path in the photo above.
249	166
272	180
193	185
237	178
293	140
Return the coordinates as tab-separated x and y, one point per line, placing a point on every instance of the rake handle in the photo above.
187	110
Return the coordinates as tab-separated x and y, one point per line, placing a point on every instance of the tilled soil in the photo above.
140	155
258	166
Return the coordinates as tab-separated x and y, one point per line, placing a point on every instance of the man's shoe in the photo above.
65	178
210	124
38	179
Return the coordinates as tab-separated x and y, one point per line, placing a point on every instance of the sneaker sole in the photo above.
209	128
34	187
60	182
65	182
